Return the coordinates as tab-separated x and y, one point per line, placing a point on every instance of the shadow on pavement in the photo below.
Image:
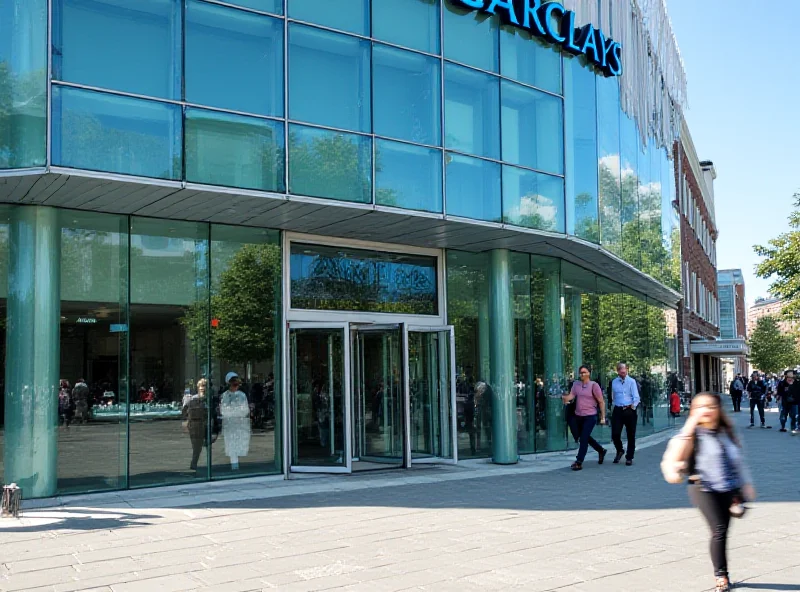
74	520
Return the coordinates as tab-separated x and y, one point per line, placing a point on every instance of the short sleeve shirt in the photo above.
587	396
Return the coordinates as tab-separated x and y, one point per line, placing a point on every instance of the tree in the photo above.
782	262
241	325
770	350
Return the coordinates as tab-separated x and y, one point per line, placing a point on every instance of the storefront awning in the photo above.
721	348
119	194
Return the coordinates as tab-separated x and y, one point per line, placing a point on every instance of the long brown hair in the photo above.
725	423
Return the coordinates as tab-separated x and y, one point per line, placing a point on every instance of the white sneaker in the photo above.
795	432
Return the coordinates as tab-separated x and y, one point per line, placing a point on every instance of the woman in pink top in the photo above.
588	398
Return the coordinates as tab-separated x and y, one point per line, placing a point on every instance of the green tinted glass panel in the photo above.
419	18
23	83
525	58
471	37
533	200
347	15
473	188
407	95
119	45
408	176
580	120
234	151
532	128
330	164
104	132
472	109
329	79
234	59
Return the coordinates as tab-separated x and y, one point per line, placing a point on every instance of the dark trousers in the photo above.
197	434
624	417
737	401
715	508
758	402
789	410
581	427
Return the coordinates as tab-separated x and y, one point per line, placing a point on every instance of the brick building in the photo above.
698	318
764	307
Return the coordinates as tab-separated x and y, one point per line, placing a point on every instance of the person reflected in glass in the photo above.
588	397
80	394
195	418
235	412
65	405
322	411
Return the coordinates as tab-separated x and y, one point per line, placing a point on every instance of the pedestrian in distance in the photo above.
588	398
737	390
709	453
789	394
757	390
625	397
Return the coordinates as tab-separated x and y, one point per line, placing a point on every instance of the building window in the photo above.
470	38
420	23
408	176
473	188
347	15
331	66
234	59
533	200
407	95
472	112
119	45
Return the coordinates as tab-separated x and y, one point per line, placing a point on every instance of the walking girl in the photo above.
588	397
708	451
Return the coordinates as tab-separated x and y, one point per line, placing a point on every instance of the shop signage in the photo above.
556	24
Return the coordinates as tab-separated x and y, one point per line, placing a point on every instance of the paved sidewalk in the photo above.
536	526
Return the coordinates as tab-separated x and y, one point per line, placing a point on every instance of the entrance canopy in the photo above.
68	188
721	348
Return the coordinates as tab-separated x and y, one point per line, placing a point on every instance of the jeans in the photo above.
789	410
582	427
624	417
715	508
753	403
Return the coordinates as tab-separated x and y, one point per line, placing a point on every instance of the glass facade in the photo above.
416	108
563	316
149	318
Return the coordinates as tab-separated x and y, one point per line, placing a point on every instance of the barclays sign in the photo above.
556	24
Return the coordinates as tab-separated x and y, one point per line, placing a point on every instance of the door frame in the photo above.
346	395
453	410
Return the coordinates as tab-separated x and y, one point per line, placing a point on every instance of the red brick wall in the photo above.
692	253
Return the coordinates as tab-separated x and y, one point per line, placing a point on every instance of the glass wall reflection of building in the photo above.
243	238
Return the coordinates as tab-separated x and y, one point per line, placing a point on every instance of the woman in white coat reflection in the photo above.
235	411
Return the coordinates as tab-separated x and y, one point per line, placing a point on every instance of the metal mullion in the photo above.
49	90
502	162
442	108
404	48
242	8
285	99
109	91
497	75
329	29
330	129
406	142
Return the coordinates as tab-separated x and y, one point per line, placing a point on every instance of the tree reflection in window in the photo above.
328	278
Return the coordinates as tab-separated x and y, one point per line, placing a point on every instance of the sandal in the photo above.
723	585
576	466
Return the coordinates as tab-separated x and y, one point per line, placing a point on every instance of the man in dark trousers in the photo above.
737	390
625	398
758	392
789	395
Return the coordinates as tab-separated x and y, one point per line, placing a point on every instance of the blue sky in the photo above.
744	93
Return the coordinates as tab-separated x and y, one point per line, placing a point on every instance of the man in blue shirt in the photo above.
625	397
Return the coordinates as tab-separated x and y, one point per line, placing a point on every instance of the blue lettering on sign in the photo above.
556	24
